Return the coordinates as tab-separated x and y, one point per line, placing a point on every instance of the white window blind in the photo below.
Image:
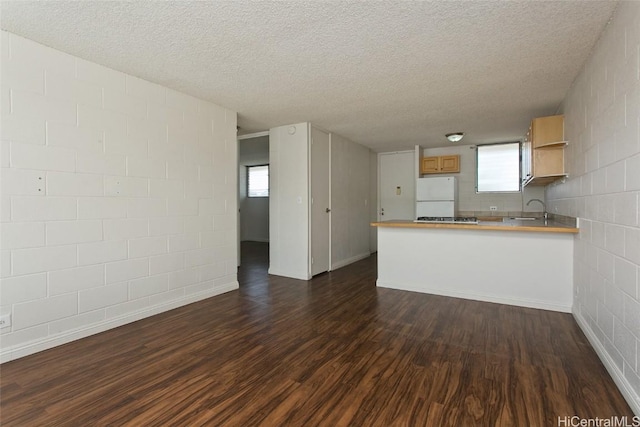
498	168
258	181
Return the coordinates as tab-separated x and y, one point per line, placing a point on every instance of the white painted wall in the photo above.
350	201
119	198
469	200
289	201
602	121
254	211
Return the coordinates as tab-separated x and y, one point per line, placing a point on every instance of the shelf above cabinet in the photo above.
543	180
547	145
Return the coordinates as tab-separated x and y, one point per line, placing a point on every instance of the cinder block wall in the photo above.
118	198
602	125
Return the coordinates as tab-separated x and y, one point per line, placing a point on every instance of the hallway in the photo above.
254	258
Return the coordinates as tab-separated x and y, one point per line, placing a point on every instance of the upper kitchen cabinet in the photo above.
543	151
440	164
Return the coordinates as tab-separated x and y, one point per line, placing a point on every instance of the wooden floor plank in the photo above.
333	351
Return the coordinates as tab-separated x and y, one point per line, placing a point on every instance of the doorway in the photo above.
253	192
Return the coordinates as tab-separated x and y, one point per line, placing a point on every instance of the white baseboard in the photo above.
630	395
543	305
345	262
32	347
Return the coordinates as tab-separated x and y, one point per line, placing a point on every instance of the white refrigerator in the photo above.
436	197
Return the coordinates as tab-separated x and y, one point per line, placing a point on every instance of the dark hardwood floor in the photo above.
334	351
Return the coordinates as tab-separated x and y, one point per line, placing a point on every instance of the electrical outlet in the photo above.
5	321
493	208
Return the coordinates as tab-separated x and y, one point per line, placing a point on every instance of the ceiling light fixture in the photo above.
455	137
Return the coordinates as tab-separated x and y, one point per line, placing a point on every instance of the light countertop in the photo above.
536	226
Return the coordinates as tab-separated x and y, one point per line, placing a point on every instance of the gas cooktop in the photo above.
448	219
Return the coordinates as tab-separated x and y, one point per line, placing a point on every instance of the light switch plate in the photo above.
5	321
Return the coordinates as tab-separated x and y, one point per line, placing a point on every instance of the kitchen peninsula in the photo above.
518	262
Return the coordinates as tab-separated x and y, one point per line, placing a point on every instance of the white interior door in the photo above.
239	223
397	186
320	200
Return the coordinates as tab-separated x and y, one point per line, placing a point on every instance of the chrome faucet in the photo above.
545	215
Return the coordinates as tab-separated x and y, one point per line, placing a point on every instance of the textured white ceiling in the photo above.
386	74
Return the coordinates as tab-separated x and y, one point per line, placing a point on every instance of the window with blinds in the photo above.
258	181
498	168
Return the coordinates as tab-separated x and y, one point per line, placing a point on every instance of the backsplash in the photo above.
500	214
562	219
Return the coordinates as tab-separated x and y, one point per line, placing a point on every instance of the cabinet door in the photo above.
549	162
547	130
450	163
430	164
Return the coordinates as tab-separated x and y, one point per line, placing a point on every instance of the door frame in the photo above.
238	223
